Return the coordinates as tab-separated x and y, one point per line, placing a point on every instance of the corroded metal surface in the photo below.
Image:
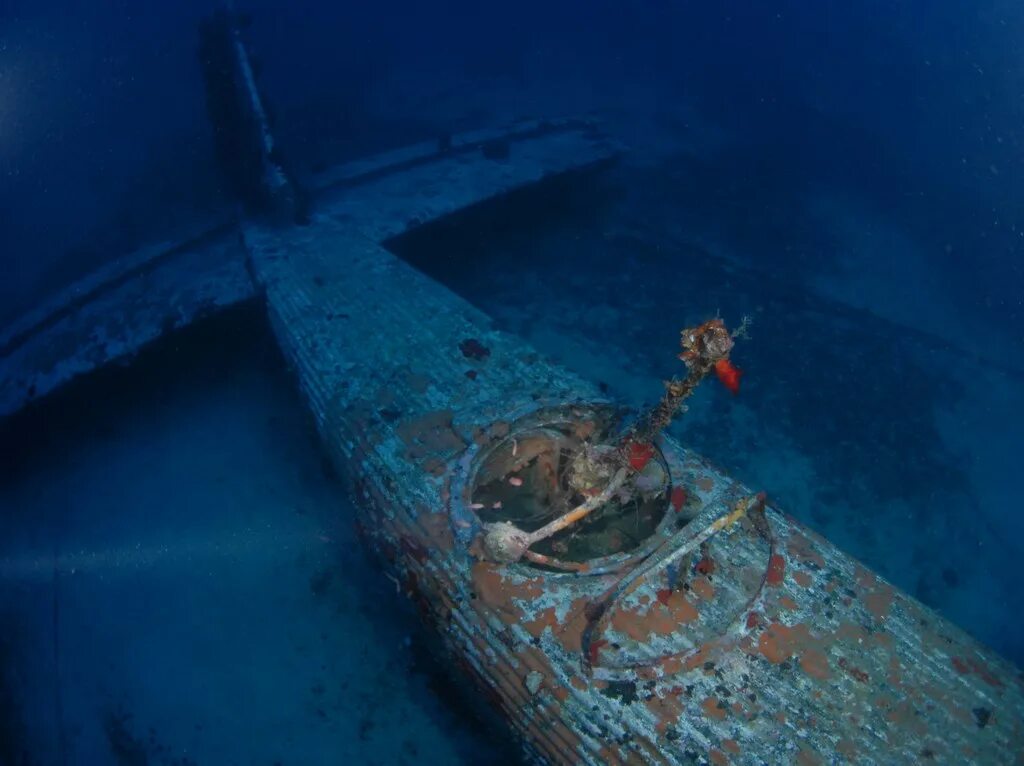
767	645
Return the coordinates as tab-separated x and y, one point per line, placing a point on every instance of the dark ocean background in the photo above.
849	174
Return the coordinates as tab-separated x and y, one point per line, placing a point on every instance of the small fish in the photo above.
515	481
497	505
729	375
476	506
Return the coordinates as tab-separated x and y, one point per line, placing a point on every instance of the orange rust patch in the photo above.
578	683
731	745
663	617
671	665
717	757
545	619
851	634
802	578
879	602
965	667
808	757
560	693
815	664
780	642
666	711
803	549
788	604
495	590
714	709
702	587
776	570
430	434
436	530
865	577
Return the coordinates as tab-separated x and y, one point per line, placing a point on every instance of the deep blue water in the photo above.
848	174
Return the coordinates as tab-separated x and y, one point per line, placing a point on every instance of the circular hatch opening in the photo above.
533	475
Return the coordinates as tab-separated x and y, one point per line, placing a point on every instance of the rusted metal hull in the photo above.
766	645
774	646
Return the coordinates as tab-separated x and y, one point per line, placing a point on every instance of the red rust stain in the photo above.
753	619
776	570
639	455
703	588
731	745
815	664
853	671
714	709
678	499
717	757
578	683
595	649
706	566
966	667
560	693
802	578
664	594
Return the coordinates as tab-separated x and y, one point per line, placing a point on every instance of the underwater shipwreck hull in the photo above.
765	645
773	646
114	312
